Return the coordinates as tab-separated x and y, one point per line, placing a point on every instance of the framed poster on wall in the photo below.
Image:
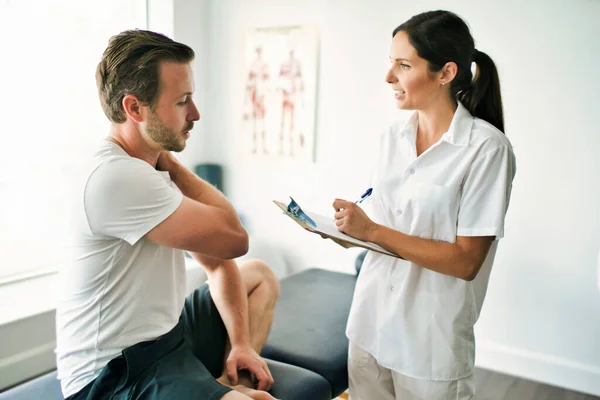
279	92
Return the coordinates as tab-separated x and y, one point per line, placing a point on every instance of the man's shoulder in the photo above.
112	162
113	171
110	152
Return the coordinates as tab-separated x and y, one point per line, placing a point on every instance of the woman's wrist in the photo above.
373	232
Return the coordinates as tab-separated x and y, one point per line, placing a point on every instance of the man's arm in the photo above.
227	289
205	222
230	296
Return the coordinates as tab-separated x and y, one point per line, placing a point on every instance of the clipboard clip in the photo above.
294	211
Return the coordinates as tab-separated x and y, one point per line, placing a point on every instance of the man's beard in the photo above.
163	135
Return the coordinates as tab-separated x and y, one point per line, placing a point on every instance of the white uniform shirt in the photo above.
415	321
120	289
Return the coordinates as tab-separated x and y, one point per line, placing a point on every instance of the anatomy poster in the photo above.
279	93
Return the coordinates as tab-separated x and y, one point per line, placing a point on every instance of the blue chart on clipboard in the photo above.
295	211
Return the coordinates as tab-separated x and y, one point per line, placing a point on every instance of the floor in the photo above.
495	386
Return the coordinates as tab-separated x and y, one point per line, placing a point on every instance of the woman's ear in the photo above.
449	71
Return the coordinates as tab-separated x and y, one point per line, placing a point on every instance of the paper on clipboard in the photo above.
325	226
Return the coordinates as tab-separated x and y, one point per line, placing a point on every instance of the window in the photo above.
50	118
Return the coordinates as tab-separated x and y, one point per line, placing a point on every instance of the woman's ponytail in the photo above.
483	98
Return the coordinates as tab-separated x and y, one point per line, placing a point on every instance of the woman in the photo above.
441	188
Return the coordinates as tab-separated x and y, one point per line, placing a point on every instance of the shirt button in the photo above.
392	288
399	212
412	171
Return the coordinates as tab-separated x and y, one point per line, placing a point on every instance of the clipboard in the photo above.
325	226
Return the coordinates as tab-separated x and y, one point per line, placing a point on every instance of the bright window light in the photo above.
50	118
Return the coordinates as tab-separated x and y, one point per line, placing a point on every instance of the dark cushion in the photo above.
359	261
295	383
45	387
310	322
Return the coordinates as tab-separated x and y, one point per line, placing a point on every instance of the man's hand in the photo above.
166	161
352	220
244	357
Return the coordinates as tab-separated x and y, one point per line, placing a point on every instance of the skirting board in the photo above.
23	366
538	367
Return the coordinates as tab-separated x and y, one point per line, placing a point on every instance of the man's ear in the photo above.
133	108
449	71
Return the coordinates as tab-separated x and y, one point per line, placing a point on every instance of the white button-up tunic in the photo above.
413	320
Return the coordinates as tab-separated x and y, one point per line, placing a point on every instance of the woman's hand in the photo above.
352	220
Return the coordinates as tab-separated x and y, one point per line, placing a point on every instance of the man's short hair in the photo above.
130	65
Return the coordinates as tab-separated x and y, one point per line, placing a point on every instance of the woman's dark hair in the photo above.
440	37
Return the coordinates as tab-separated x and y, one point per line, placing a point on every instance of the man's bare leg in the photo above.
262	287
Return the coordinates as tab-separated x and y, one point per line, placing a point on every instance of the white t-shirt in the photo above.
119	288
413	320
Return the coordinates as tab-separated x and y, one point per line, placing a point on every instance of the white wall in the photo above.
190	26
541	317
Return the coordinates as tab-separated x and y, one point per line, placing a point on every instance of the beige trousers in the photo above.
370	381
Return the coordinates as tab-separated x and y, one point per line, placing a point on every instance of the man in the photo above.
121	332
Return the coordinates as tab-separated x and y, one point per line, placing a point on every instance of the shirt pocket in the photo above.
431	211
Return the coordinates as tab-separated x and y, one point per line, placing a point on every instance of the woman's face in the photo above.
415	87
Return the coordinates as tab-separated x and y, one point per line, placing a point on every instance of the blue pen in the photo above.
364	196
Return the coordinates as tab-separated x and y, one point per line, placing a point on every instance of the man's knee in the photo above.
266	276
269	278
